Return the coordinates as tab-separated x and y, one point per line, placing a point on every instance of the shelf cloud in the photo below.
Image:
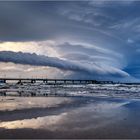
88	38
40	60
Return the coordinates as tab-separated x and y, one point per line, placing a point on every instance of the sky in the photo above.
70	39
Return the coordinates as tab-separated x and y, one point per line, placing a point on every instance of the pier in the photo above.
54	81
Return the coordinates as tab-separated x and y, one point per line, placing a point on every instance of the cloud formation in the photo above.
40	60
89	38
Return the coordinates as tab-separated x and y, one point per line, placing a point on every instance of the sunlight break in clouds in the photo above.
43	47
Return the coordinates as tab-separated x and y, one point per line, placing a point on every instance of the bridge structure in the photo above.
54	81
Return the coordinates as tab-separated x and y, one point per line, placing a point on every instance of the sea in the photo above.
39	110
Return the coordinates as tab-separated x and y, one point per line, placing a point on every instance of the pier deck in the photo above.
54	81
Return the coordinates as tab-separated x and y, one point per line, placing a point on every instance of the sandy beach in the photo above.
69	117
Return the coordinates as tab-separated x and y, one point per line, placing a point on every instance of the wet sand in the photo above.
69	117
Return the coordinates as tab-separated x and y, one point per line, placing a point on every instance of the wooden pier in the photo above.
53	81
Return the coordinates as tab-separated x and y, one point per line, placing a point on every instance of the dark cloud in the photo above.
36	60
40	60
111	28
34	20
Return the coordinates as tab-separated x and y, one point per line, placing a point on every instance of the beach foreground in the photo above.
69	117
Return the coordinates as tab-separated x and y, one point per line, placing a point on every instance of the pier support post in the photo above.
4	93
19	82
33	81
72	81
33	94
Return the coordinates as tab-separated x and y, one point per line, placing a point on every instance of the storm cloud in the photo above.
40	60
89	38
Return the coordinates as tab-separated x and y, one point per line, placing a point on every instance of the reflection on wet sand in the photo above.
79	117
65	117
35	123
17	103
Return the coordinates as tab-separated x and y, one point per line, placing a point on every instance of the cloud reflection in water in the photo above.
93	115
